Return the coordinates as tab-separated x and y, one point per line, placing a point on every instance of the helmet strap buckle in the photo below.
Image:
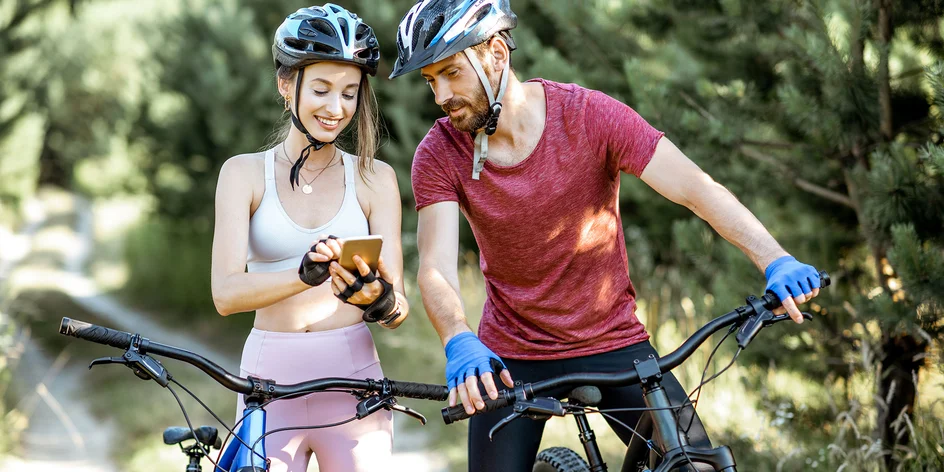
492	124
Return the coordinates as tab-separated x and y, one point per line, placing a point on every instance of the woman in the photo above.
284	208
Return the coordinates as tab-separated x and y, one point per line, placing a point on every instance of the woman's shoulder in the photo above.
244	165
379	176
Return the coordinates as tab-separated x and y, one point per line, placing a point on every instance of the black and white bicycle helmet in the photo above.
314	34
435	29
328	33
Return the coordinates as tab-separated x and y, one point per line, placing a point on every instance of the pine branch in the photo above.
703	112
801	183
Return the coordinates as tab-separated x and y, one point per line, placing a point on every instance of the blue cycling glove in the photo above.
788	277
466	356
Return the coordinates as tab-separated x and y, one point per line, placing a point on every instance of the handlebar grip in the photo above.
94	333
457	413
419	390
771	300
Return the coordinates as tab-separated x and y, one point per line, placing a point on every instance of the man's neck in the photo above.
518	113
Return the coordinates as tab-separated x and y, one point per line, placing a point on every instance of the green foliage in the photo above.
771	98
169	265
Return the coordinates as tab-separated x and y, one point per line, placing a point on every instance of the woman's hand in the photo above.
313	269
371	293
364	293
325	248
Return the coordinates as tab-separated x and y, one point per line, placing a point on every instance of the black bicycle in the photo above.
659	441
246	452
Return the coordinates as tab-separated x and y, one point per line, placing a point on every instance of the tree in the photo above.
788	87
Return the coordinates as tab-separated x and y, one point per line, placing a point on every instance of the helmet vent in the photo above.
296	43
417	32
361	32
322	48
479	15
434	29
400	49
320	26
345	28
318	11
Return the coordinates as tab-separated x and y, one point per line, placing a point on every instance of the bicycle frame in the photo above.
237	456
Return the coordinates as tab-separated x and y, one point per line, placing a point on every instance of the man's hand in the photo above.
467	359
794	282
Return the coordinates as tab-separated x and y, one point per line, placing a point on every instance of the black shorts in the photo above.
516	445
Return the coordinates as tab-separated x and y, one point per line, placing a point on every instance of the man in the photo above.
535	169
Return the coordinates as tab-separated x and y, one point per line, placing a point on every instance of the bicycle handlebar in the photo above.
770	301
123	340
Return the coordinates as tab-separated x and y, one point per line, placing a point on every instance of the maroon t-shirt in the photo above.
548	228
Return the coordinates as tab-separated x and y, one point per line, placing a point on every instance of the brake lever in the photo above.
501	424
761	318
535	409
786	317
143	365
409	412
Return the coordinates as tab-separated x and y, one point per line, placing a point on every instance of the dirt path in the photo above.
63	435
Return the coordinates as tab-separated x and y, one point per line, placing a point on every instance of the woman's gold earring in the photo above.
287	100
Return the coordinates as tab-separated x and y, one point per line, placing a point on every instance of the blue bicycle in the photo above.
246	452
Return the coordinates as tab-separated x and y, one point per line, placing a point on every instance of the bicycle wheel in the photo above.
560	459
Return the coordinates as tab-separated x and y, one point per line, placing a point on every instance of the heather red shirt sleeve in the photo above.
616	131
432	183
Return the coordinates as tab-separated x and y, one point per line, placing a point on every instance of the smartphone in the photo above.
367	247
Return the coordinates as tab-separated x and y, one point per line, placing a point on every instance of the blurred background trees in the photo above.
823	116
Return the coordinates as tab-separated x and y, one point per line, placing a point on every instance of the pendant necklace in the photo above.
307	189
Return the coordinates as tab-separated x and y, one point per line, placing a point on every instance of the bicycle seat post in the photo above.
195	454
589	441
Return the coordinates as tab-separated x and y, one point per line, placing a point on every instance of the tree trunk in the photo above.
52	170
902	356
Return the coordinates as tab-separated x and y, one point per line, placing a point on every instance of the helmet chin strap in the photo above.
494	110
312	142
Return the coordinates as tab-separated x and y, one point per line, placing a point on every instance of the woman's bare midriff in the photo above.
315	309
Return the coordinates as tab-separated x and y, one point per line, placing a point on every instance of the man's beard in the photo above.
474	116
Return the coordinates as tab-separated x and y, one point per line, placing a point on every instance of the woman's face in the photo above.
328	98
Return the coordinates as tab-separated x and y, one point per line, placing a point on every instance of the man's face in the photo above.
459	92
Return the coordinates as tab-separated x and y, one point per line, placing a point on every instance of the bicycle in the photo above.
659	443
246	452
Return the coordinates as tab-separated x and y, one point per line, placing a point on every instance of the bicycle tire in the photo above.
560	459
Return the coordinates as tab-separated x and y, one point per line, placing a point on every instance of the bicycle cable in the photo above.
231	431
205	451
697	390
603	413
299	428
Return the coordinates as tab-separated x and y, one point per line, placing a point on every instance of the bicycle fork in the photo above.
668	431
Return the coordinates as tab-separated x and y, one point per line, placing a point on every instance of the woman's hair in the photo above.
365	135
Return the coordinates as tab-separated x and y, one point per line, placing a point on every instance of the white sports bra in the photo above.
277	243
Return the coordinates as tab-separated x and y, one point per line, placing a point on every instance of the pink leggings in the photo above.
287	358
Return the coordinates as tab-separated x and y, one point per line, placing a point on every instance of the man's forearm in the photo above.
735	223
442	302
